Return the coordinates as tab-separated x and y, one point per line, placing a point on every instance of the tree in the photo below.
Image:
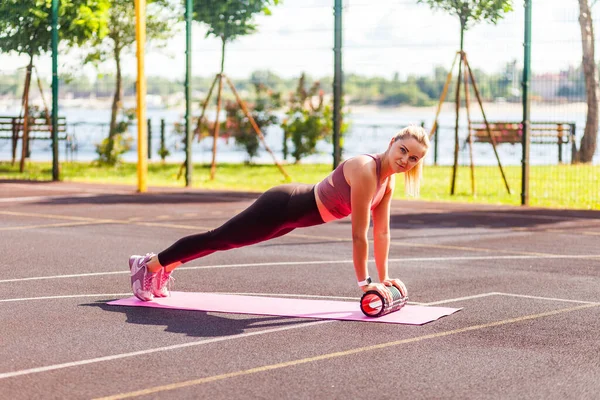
25	24
227	20
469	12
308	120
262	110
587	146
25	29
119	39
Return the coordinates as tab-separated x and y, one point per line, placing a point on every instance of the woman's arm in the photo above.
381	230
363	184
381	238
362	176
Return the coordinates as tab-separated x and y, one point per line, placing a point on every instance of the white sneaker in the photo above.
141	278
161	283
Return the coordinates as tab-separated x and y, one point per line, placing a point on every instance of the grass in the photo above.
559	186
554	186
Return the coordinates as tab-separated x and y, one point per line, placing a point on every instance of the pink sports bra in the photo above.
336	197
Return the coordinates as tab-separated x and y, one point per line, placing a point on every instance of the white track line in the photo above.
507	295
128	294
330	262
242	335
306	296
544	298
475	296
154	350
37	278
69	296
313	296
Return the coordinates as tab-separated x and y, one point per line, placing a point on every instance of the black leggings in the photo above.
276	212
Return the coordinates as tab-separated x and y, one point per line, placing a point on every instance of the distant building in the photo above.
546	86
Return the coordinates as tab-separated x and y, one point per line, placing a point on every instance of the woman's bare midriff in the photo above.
325	214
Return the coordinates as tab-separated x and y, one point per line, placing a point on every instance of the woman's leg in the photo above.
275	213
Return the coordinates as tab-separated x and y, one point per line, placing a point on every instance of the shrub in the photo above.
238	126
113	147
309	120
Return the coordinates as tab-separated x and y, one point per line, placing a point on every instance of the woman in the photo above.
358	187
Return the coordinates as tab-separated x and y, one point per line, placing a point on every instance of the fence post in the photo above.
55	39
337	82
15	139
149	139
189	135
526	106
560	142
162	139
435	145
573	143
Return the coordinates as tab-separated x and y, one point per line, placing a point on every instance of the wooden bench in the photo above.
558	133
11	128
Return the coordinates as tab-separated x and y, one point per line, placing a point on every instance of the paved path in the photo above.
528	281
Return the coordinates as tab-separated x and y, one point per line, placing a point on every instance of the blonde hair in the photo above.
413	177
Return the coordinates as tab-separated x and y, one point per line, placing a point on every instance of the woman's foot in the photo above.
161	283
141	277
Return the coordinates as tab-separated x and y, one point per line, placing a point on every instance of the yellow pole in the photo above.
140	36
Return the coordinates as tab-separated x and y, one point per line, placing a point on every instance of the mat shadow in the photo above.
493	219
21	181
152	198
194	323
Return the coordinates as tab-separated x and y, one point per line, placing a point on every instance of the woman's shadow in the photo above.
194	323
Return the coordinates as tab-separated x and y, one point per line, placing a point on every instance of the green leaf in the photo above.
471	12
229	19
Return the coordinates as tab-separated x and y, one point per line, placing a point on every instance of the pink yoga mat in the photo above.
301	308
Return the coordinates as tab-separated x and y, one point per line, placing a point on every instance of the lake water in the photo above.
370	131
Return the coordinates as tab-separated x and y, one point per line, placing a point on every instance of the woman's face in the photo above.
405	154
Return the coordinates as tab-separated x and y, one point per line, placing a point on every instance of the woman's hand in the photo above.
381	289
399	285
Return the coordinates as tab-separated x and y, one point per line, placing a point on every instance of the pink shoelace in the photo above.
166	279
147	285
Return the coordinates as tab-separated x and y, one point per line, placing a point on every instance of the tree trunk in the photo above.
213	166
587	146
25	137
457	105
117	99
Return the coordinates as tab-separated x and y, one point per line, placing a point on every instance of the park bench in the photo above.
11	128
558	133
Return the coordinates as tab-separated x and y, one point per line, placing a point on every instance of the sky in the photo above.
380	38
